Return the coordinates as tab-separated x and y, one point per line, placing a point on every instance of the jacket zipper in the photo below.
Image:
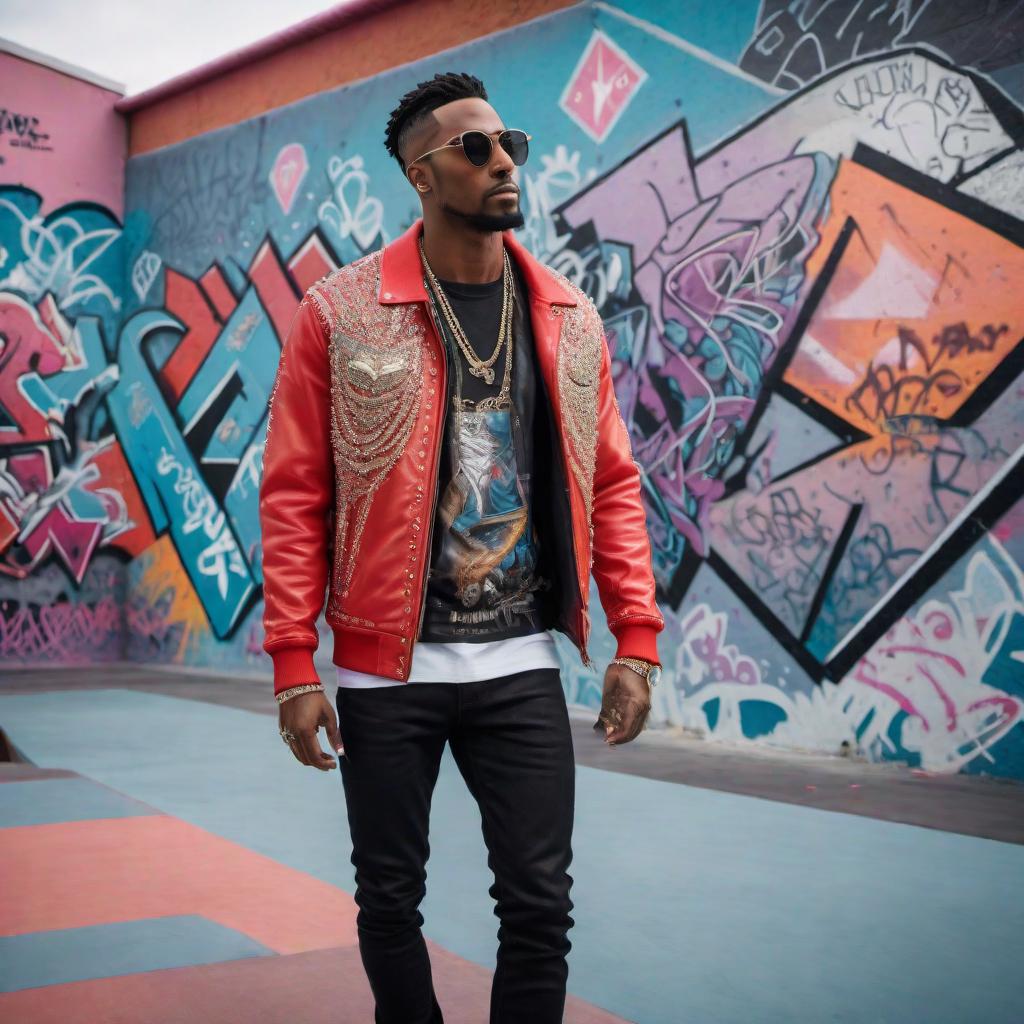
583	613
433	503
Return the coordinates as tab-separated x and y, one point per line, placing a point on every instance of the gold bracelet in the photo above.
650	670
294	691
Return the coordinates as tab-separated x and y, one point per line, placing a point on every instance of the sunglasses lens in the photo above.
516	144
477	148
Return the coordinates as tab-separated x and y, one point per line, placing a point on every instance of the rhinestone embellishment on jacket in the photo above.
376	357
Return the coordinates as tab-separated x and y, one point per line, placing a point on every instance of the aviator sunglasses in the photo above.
477	146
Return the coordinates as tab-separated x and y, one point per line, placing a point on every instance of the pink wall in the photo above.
60	136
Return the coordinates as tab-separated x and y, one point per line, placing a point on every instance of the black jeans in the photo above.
510	737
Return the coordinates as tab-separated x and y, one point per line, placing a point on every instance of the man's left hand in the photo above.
625	705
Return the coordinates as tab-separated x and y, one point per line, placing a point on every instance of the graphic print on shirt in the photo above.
486	559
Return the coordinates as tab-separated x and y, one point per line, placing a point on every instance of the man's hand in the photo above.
625	705
302	716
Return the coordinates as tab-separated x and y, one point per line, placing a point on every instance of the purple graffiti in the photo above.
719	265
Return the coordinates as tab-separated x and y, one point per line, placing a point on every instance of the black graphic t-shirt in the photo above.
485	570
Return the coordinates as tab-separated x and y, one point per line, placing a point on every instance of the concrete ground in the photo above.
969	804
711	883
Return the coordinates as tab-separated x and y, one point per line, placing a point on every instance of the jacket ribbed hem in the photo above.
636	640
293	666
383	653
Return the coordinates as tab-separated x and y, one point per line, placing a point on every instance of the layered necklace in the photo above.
483	368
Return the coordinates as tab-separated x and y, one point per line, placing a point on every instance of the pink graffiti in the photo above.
941	624
61	631
72	539
27	346
604	82
42	522
704	632
892	650
925	680
288	173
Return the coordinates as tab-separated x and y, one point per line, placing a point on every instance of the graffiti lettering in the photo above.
24	129
883	81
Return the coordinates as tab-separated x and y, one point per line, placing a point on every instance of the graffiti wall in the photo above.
819	349
70	516
803	225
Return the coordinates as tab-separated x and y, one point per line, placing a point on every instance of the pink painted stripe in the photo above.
158	865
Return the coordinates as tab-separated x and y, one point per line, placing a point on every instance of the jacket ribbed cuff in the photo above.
636	641
293	666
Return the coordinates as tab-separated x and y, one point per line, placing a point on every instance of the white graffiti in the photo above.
923	679
221	556
58	257
353	211
250	471
931	665
559	179
240	337
910	108
145	272
706	668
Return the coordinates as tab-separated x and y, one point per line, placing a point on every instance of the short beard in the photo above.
486	223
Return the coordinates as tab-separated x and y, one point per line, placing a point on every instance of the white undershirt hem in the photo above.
466	662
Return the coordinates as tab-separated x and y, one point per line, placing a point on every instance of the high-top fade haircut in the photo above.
416	104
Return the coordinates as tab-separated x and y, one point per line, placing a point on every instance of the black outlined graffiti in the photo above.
797	41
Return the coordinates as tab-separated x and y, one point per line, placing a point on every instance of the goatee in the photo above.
488	222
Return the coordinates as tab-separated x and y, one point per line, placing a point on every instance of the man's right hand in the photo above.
302	716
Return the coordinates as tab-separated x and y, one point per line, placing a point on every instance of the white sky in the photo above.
144	42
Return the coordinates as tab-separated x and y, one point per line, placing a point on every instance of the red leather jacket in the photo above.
351	464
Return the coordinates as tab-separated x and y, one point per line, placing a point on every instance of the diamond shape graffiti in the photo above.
601	86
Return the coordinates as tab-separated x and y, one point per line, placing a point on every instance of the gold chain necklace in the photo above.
477	366
499	401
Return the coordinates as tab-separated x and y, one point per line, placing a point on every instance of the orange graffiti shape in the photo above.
163	597
923	305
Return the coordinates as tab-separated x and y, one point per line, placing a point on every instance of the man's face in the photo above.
460	188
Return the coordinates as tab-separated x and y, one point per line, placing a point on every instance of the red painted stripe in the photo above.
80	873
274	288
184	299
219	293
310	263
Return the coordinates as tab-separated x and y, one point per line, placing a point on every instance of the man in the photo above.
446	455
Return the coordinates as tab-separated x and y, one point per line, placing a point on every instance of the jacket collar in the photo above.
401	272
